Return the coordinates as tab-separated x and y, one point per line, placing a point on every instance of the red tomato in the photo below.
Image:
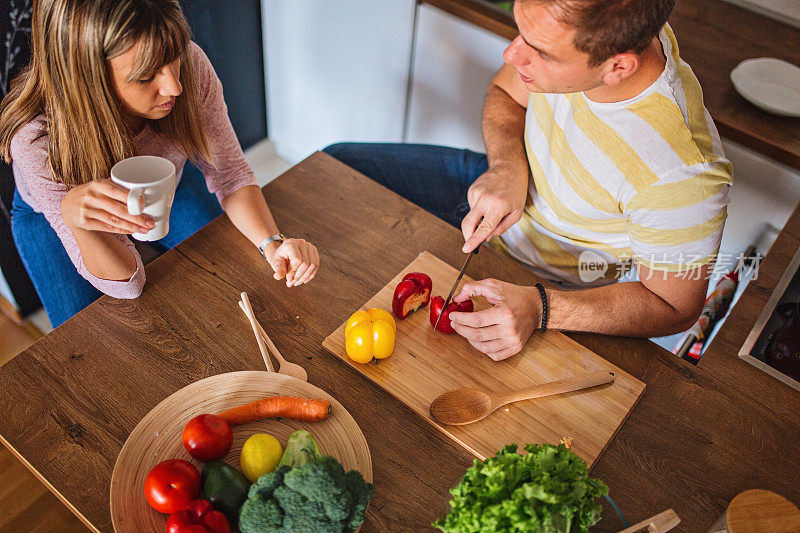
207	437
171	485
436	309
198	517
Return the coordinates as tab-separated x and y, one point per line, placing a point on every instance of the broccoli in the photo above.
362	493
307	493
301	448
261	515
266	484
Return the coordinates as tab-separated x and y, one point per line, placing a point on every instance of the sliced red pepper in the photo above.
411	294
198	517
444	324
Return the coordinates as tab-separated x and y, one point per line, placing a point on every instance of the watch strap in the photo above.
272	238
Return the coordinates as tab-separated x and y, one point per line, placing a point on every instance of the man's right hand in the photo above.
101	205
496	200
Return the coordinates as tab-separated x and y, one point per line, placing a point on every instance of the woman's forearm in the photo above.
249	212
104	256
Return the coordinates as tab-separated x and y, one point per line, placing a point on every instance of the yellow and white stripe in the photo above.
645	179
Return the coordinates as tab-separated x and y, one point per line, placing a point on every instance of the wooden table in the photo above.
69	402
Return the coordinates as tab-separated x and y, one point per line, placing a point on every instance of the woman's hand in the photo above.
102	206
296	259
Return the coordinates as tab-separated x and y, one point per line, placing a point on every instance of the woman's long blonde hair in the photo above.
68	80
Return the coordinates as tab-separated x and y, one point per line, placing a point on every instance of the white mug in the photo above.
151	182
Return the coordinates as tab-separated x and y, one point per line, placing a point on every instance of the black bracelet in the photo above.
544	306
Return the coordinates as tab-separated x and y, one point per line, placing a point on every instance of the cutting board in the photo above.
426	364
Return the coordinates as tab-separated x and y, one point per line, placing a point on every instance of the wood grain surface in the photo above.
70	401
761	510
714	36
426	364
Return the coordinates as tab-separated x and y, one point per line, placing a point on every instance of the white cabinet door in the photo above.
335	71
454	61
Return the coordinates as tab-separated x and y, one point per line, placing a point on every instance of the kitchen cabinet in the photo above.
453	63
335	71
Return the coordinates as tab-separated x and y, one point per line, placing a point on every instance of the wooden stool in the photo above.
757	511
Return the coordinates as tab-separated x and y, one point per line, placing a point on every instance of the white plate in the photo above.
769	83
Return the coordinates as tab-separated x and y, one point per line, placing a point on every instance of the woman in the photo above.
110	79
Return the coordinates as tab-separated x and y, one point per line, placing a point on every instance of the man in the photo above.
600	154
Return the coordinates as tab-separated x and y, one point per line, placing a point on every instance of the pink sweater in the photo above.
36	187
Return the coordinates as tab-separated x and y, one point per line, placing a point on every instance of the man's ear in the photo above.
620	67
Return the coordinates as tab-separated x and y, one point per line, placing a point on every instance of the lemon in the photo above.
260	454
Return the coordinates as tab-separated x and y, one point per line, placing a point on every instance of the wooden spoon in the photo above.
465	406
285	367
248	311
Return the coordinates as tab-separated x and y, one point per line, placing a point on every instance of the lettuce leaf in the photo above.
546	490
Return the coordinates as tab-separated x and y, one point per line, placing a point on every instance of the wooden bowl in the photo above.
158	437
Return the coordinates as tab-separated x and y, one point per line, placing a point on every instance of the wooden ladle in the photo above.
465	406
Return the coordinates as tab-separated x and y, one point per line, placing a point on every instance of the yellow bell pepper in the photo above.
369	334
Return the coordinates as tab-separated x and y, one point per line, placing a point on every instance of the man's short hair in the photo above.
605	28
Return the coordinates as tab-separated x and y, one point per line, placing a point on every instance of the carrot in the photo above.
301	409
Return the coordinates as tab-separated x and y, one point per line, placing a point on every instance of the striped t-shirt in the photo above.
644	179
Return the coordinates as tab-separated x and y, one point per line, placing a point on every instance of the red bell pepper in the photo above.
444	324
411	294
198	517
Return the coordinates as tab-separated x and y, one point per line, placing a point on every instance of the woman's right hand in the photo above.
101	205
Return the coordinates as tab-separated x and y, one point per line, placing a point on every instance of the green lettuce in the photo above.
546	490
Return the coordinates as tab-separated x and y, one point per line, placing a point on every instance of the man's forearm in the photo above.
503	130
626	309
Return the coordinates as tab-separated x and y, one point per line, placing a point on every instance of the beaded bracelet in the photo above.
544	306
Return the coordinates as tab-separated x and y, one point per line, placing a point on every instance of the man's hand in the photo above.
502	330
496	200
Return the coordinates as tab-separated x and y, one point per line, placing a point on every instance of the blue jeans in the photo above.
62	290
436	178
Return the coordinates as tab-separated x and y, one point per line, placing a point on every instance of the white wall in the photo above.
454	61
336	71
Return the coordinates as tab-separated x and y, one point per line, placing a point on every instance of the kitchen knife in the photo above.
460	275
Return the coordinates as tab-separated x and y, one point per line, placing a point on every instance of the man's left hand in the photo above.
502	330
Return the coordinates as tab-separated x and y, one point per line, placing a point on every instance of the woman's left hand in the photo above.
297	260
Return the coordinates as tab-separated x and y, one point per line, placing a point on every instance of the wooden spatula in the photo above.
465	406
657	524
284	366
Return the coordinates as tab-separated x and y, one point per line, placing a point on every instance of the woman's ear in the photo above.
620	67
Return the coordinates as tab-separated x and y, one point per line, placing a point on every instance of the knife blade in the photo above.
453	289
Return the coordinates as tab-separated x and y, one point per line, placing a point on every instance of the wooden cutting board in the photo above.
426	364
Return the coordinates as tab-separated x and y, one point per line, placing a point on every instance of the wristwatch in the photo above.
272	238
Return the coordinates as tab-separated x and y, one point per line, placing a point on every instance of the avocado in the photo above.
225	488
